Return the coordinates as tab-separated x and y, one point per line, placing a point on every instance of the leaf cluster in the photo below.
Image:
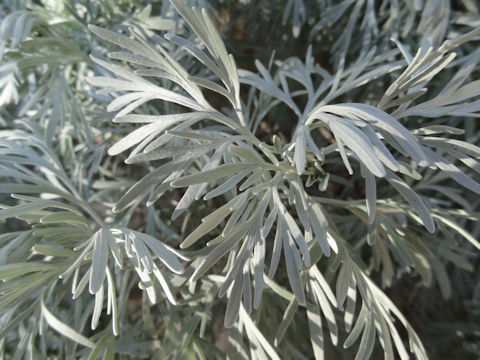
238	208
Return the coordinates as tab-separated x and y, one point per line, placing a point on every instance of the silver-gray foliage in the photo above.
182	198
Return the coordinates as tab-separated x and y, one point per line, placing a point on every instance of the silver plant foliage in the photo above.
179	201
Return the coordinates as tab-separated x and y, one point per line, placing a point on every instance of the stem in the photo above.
248	135
85	206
